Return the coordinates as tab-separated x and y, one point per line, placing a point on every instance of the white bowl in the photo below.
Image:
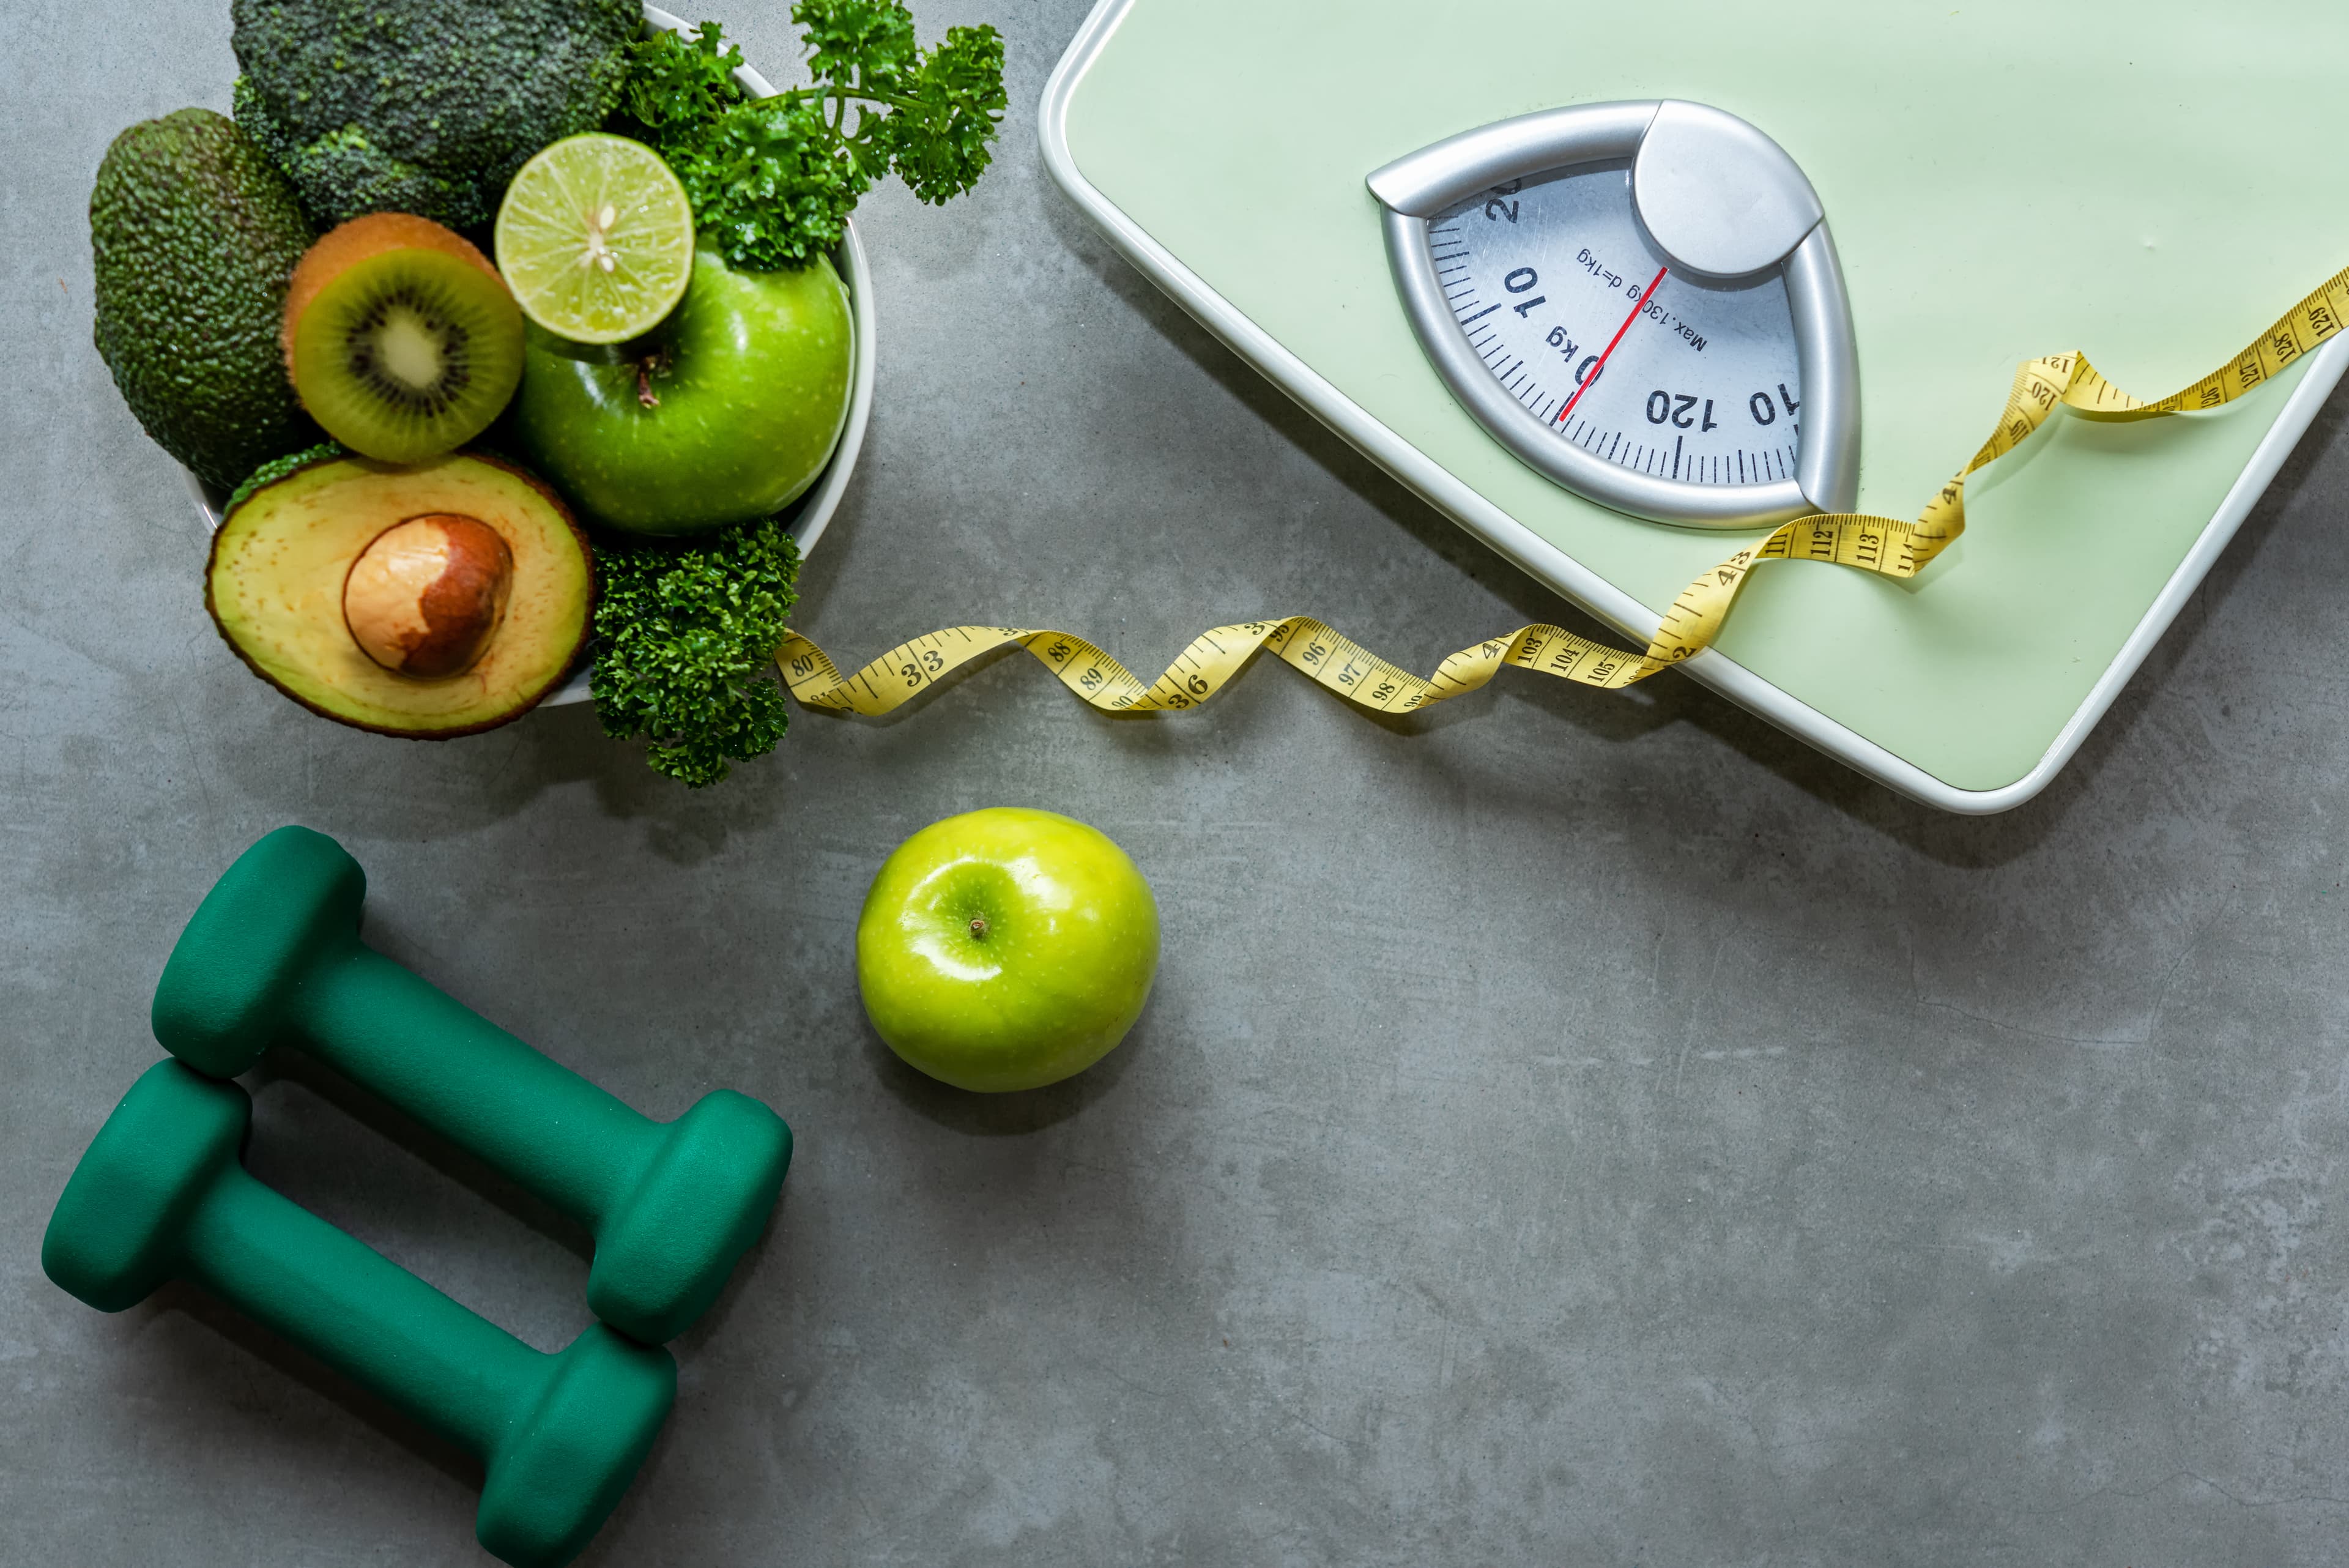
815	509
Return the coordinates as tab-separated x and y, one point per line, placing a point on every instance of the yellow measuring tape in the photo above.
1885	546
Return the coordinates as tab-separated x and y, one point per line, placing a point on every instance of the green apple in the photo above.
1006	949
725	411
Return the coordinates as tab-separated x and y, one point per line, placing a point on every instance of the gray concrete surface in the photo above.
1567	1129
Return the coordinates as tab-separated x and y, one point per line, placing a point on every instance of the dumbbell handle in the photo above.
538	1122
161	1194
274	957
354	1310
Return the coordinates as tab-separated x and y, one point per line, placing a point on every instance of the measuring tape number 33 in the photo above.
1609	248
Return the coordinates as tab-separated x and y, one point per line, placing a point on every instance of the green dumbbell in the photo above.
161	1196
272	956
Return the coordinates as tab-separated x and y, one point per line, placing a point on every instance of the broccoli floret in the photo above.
422	106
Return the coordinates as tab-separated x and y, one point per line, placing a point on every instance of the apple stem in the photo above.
653	364
979	924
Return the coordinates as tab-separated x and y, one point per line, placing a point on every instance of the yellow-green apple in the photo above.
1006	949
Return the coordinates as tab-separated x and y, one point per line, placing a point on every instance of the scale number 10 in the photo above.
1678	410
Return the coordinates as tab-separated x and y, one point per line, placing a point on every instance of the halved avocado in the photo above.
282	561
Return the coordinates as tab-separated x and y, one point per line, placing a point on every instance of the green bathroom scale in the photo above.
1617	290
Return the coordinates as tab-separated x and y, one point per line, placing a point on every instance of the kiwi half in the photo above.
401	338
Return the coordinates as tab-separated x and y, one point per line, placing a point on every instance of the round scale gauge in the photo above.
1642	301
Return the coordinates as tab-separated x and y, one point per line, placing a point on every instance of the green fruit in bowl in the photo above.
1006	949
728	411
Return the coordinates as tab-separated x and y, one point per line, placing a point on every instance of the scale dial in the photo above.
1579	318
1643	302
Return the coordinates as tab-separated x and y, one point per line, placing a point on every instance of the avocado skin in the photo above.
194	233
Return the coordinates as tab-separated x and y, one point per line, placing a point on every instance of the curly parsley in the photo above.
773	180
685	646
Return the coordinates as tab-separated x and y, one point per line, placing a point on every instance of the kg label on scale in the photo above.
1579	317
1640	300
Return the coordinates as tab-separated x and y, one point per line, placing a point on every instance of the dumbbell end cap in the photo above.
115	1235
288	902
566	1464
664	1254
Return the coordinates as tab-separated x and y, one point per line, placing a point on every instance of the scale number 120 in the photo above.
1678	410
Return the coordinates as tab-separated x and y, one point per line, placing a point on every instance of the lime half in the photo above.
596	238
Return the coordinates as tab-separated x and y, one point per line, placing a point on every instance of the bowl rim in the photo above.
814	510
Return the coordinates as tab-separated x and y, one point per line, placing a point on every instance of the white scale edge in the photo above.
1546	562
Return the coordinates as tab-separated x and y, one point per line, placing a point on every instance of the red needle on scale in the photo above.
1636	304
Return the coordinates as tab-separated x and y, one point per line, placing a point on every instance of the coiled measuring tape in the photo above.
1889	547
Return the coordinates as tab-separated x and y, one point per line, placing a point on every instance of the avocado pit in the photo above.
426	596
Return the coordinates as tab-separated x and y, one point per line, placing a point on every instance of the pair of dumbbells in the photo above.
272	958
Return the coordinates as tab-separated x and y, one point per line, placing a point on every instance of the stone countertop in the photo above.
1568	1128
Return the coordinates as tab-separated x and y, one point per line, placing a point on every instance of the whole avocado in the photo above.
422	106
193	234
